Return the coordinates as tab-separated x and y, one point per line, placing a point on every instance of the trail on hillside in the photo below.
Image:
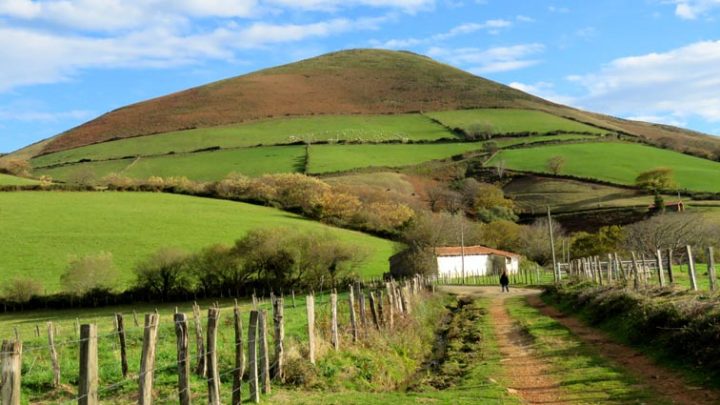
522	364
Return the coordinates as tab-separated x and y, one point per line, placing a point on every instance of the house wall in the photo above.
479	265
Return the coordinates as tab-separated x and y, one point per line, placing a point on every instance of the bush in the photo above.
21	289
96	272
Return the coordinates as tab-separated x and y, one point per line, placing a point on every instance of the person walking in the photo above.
504	282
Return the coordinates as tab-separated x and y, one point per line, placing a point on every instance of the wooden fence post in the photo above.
264	355
293	297
361	305
239	357
147	359
691	268
636	271
279	328
381	312
659	264
11	356
53	355
334	325
88	383
405	301
252	357
353	321
200	367
390	306
135	319
671	277
183	358
373	311
123	349
711	268
213	374
310	304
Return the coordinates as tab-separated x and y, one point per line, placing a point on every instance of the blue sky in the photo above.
63	62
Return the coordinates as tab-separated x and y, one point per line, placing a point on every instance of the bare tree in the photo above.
670	231
555	164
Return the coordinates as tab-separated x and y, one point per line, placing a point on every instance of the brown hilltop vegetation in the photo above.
347	82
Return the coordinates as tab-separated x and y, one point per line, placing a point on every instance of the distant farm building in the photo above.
475	260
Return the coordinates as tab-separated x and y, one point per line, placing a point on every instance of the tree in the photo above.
479	130
85	274
670	231
535	240
503	234
83	176
15	166
216	268
556	164
21	289
656	180
164	273
606	240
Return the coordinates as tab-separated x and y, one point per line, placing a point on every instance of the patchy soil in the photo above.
527	374
661	380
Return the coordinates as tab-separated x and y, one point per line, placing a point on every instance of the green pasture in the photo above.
40	231
205	166
362	128
615	162
335	158
508	121
8	180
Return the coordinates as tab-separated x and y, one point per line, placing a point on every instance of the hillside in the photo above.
342	83
45	229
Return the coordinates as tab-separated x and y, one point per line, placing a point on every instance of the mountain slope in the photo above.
359	81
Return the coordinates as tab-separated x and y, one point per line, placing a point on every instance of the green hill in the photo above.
42	230
615	162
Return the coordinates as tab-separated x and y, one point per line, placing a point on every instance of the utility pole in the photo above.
556	270
462	244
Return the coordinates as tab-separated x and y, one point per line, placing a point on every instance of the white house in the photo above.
476	261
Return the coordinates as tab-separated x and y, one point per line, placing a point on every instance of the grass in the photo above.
271	132
8	180
534	194
205	166
364	369
582	372
42	230
335	158
509	121
615	162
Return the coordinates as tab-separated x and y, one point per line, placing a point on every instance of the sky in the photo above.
64	62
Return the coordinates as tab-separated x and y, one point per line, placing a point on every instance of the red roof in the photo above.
472	250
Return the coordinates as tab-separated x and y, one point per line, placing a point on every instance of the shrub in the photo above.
95	272
21	289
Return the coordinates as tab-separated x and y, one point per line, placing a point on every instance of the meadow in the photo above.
367	128
42	230
335	158
8	180
615	162
509	121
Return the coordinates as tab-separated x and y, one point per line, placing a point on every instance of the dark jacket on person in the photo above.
504	279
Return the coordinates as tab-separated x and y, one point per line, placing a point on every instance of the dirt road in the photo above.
530	376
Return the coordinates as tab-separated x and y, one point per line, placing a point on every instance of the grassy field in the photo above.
374	128
534	194
42	230
334	158
586	376
508	121
362	370
204	166
255	161
8	180
615	162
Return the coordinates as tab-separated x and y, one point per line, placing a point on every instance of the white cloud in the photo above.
692	9
544	90
659	119
491	26
36	57
492	60
681	83
332	5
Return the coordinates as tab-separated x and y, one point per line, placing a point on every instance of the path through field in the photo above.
529	374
